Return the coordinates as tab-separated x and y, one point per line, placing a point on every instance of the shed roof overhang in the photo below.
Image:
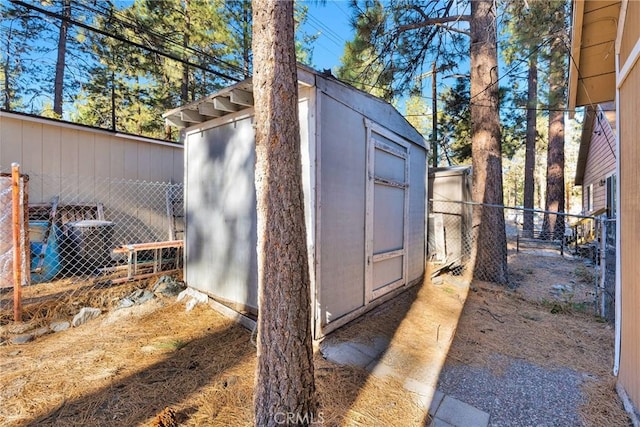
592	70
232	99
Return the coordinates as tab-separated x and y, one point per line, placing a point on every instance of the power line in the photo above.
117	16
586	91
123	40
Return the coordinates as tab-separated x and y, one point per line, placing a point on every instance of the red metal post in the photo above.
17	247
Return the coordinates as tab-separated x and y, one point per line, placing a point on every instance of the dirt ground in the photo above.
127	366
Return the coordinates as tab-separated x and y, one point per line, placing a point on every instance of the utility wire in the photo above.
121	18
591	104
124	40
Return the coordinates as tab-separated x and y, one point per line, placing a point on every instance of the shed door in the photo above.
387	208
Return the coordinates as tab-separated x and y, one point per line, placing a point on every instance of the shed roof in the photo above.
592	73
239	97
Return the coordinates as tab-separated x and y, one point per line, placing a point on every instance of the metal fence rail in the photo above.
575	267
86	232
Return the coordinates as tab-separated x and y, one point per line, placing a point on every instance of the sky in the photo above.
331	21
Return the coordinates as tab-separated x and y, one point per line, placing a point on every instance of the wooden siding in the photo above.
631	29
43	147
629	111
601	162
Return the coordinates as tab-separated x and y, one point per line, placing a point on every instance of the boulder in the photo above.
85	314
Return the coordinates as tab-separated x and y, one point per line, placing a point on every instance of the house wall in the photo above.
56	149
601	162
631	30
87	166
629	128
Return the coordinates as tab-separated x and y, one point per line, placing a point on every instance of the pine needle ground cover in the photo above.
154	362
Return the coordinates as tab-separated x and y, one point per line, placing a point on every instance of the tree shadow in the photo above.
419	330
209	380
138	397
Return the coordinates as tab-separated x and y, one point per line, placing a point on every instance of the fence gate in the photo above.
387	209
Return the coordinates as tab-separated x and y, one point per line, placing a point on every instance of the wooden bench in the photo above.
539	240
140	269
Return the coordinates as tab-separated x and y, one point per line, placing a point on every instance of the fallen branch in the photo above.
492	315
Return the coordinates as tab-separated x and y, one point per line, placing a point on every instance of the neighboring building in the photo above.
364	183
92	174
54	151
605	67
596	170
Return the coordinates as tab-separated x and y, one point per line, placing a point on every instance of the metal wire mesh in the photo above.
587	248
76	225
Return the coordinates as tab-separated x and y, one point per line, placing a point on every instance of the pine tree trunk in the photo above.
285	389
58	86
184	83
553	225
530	150
246	40
489	252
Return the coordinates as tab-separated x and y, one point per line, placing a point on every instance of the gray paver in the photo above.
458	413
345	354
363	348
435	402
437	422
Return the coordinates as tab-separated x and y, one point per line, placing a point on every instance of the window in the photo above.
611	196
588	200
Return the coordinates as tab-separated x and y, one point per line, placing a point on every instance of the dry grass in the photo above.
129	365
498	321
62	299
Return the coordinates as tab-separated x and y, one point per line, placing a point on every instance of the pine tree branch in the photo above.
439	22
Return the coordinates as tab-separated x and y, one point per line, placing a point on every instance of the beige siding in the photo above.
59	150
629	112
601	162
631	29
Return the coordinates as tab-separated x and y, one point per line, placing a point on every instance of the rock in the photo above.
85	314
138	296
145	296
438	280
22	339
168	286
196	297
125	303
41	331
19	327
561	289
59	326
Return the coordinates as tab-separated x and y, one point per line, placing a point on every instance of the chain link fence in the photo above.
570	267
88	233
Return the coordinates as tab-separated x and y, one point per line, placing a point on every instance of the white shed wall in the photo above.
342	180
220	205
220	210
335	131
343	288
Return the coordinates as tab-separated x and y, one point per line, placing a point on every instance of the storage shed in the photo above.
364	183
450	214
